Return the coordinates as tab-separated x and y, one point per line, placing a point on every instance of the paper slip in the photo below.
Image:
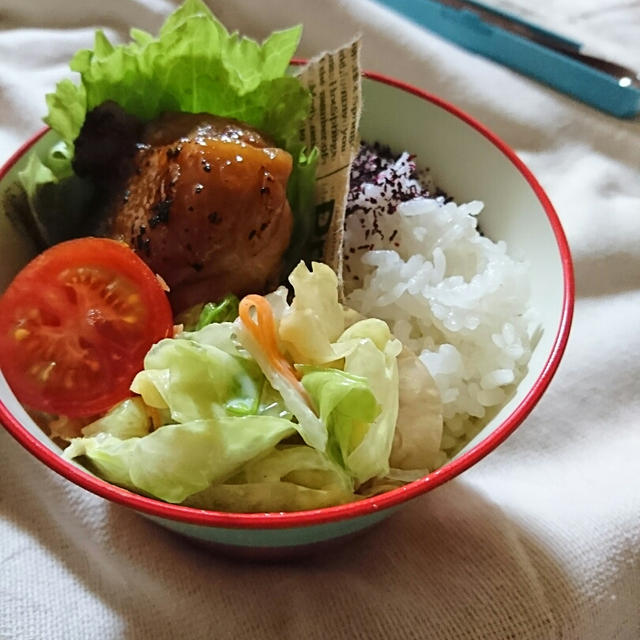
334	80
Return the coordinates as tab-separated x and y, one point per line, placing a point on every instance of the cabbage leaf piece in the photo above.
373	355
418	433
200	376
178	460
315	319
347	407
291	478
127	419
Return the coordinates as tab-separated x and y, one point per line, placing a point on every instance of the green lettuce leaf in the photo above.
36	174
56	199
67	111
200	315
224	311
301	196
193	65
178	460
55	165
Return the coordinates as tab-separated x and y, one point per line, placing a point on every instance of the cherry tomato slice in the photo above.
76	323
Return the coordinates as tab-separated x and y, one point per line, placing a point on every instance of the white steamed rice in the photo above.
453	296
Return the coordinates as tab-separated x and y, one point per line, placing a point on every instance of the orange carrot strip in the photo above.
263	330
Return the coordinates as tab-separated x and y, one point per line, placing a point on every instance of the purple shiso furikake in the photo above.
397	179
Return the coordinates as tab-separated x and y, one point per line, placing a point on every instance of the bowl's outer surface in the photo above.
468	162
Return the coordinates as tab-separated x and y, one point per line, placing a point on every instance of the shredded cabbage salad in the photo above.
288	407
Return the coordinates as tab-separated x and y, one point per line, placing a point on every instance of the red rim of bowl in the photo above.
368	505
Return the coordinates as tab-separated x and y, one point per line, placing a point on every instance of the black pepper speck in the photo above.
174	152
161	212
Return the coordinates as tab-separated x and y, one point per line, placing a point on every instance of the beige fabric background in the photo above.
539	541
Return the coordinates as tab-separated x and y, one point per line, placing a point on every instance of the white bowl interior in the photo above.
465	164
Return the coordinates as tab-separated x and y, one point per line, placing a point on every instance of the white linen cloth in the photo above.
538	541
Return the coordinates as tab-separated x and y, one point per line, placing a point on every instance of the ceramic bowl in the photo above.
467	160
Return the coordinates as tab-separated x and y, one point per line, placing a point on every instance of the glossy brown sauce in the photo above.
206	207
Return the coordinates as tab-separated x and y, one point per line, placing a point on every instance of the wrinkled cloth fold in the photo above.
538	541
